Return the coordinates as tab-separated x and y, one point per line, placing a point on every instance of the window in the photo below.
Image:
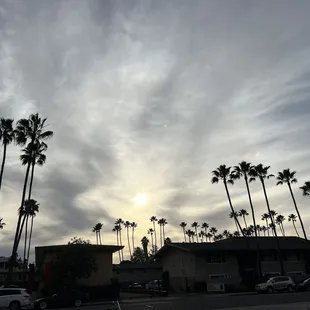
295	273
11	292
218	276
271	274
216	259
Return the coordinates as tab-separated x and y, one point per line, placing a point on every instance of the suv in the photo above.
14	298
276	284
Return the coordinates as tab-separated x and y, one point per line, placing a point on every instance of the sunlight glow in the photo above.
140	200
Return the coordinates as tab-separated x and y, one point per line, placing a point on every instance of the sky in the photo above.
145	99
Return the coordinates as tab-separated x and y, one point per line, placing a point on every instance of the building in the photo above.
141	273
4	269
45	257
232	261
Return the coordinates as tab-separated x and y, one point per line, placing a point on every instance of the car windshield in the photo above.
306	280
270	280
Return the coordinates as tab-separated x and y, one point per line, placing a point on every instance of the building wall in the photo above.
181	267
129	274
215	272
101	276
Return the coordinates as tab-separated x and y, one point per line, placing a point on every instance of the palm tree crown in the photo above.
2	224
306	188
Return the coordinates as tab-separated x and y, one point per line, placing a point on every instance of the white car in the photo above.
282	283
14	298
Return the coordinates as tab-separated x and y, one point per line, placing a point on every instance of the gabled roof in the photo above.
240	243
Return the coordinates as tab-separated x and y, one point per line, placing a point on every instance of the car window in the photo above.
11	292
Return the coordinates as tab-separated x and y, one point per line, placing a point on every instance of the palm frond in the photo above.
214	180
279	183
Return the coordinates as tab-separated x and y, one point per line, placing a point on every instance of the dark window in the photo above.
11	292
216	259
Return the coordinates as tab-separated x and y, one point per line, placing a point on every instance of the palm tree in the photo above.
167	240
236	234
189	234
127	225
2	224
243	170
7	135
288	177
226	233
29	210
258	229
279	221
272	227
120	222
96	233
218	237
264	229
261	172
234	215
205	226
32	154
151	232
209	236
145	242
96	229
32	128
201	235
134	225
265	217
243	213
306	188
195	225
164	223
223	173
292	218
117	229
213	231
183	226
153	219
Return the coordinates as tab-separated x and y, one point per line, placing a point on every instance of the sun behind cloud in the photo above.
140	200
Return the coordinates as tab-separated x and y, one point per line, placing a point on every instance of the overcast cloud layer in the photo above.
149	97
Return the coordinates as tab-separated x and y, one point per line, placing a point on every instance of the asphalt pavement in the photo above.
276	301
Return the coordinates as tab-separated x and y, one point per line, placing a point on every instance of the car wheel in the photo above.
269	289
290	289
78	303
15	305
43	305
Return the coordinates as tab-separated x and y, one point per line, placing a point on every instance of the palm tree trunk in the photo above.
297	211
15	244
100	237
152	239
295	229
267	226
26	235
161	238
196	234
236	224
133	239
232	208
155	236
274	227
246	226
119	252
184	234
164	234
29	242
96	237
3	163
127	231
121	244
283	229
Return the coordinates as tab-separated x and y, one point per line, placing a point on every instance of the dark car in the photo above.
303	286
64	298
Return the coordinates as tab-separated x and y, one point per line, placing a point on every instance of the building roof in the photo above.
95	247
240	243
154	265
40	251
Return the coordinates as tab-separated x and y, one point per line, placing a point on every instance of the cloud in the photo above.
149	97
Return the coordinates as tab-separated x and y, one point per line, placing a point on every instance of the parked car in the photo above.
303	286
64	298
14	298
154	285
135	287
283	283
